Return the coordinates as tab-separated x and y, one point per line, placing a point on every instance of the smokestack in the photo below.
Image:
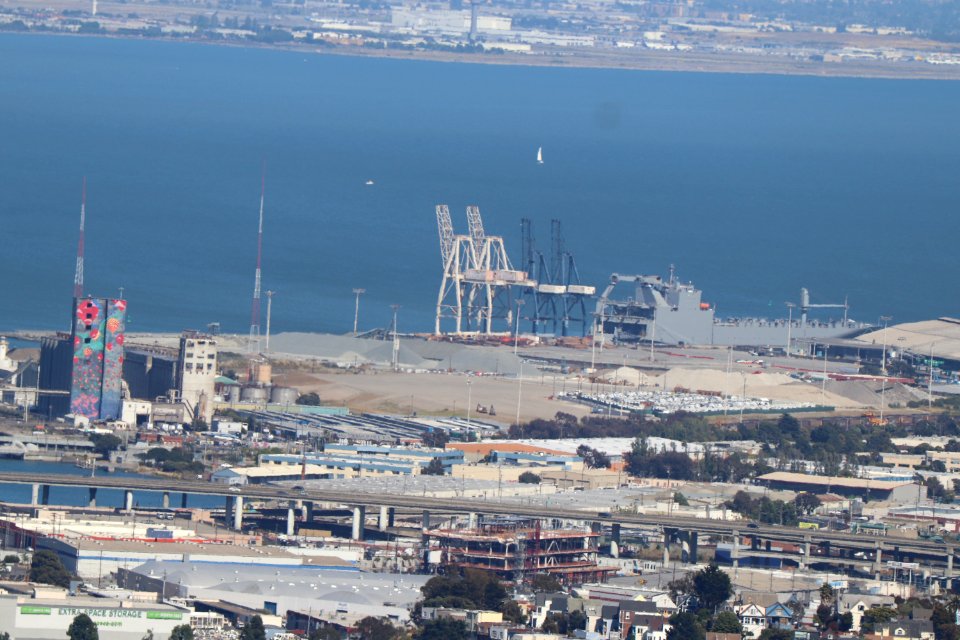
78	274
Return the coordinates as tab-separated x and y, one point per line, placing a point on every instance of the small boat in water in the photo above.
539	155
369	183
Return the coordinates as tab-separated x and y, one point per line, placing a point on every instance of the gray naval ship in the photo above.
668	311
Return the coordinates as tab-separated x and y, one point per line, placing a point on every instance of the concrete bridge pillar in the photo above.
92	494
877	562
34	494
227	510
805	559
359	516
45	494
238	513
183	500
128	500
755	542
666	549
291	519
693	541
426	519
735	551
386	518
308	511
615	532
166	500
473	520
950	552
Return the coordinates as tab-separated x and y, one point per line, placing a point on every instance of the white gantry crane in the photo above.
477	277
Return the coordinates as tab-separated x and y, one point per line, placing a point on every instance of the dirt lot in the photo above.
436	393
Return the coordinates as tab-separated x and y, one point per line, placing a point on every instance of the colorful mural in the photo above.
88	341
98	336
110	402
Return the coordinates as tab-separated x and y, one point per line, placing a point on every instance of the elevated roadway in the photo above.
927	552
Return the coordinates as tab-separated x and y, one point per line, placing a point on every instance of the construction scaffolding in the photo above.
517	549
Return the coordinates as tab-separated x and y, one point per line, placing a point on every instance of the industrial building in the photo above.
261	586
867	490
44	618
197	373
515	548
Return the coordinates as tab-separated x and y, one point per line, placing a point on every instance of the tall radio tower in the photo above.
78	274
253	344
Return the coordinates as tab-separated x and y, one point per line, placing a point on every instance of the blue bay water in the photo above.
78	496
752	185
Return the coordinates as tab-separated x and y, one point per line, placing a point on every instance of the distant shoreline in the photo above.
641	60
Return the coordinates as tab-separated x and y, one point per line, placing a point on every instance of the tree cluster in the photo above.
768	511
46	568
177	460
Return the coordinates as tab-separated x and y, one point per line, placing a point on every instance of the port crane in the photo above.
477	282
559	298
806	306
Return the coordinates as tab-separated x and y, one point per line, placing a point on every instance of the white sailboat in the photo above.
539	155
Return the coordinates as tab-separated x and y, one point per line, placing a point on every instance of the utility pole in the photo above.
356	308
269	310
930	378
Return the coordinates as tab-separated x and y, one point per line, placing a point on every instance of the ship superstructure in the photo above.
669	311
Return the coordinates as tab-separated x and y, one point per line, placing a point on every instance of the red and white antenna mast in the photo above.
78	274
254	341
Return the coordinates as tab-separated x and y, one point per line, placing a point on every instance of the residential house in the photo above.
779	616
857	603
753	617
642	620
902	630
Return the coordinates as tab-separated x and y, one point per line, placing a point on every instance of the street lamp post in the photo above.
516	333
883	358
356	308
519	393
469	400
269	309
396	339
790	307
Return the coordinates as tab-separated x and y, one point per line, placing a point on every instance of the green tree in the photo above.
826	592
253	630
776	634
326	632
311	399
576	620
545	583
806	503
529	477
371	628
681	499
83	628
435	468
46	568
442	629
11	559
727	622
512	612
181	632
876	615
104	443
686	626
712	586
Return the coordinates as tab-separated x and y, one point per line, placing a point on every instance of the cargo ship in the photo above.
668	311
